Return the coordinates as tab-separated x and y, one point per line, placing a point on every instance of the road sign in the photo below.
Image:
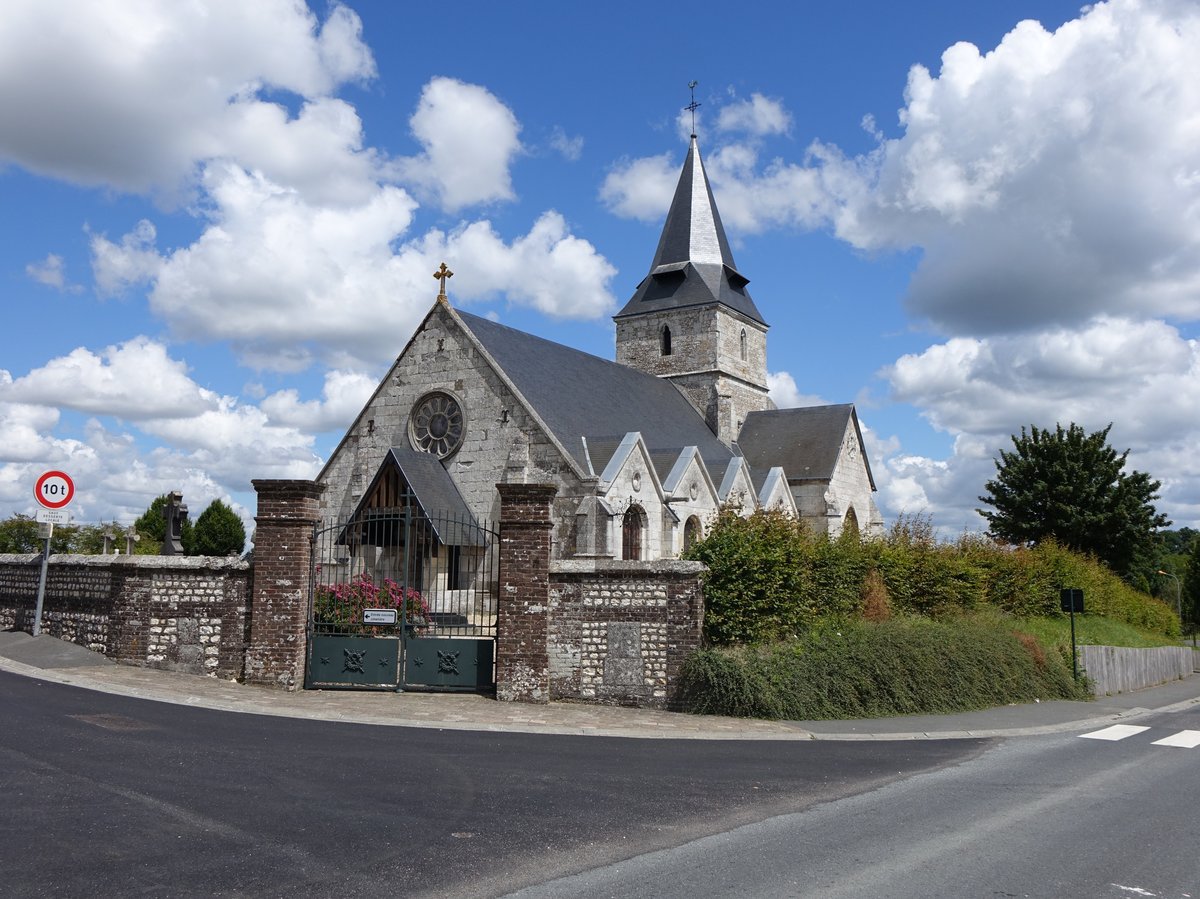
53	516
54	490
1071	600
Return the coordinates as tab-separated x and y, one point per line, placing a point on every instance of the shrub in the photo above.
857	669
770	578
340	606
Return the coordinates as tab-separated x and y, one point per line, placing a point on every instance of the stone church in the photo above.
643	450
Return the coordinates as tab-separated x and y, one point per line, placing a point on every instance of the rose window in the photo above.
436	425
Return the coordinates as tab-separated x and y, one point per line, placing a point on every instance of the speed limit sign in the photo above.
55	490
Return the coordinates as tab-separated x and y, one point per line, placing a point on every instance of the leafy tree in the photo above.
1191	588
218	532
1178	543
1072	486
19	534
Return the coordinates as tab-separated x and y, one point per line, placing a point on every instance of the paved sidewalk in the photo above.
50	659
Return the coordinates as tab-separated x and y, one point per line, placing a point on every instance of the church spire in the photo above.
693	265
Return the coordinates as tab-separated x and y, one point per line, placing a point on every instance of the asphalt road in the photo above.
1057	817
107	795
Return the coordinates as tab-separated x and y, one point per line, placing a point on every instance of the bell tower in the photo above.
691	319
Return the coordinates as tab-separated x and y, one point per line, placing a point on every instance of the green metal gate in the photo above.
402	599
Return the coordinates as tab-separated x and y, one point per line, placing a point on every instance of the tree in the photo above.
1191	588
218	532
1072	487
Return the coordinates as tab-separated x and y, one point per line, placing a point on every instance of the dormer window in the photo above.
666	341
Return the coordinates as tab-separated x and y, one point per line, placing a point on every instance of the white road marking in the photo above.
1116	732
1188	739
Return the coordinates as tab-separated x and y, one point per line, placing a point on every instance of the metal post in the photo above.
1074	657
41	597
406	530
1178	597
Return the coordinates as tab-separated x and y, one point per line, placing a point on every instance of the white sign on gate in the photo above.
379	616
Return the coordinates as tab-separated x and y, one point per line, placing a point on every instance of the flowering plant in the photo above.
340	606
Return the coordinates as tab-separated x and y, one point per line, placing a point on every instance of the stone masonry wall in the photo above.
705	361
182	613
498	430
620	631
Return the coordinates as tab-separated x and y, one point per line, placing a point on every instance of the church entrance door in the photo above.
403	600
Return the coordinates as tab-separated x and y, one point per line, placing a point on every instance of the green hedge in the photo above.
861	669
771	579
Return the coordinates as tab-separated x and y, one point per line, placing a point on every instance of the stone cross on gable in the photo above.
441	275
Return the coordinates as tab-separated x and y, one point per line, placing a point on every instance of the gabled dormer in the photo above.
691	319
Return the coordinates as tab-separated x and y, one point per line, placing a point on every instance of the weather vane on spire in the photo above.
691	107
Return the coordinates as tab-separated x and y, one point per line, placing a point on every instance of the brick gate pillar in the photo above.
278	613
523	609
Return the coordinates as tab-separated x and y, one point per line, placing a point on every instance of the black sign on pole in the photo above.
1072	602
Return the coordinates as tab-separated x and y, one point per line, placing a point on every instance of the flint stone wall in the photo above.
182	613
620	631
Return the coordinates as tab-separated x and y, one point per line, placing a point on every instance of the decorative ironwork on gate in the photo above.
403	599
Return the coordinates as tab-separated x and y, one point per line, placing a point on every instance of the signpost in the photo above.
54	491
1072	601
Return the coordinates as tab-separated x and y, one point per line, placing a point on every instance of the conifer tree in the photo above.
218	532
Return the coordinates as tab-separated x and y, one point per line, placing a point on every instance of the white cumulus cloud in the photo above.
470	139
757	116
134	95
135	380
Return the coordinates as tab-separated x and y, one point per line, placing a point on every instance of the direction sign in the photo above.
379	616
54	490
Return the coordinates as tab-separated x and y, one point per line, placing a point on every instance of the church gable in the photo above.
692	497
775	493
849	498
444	396
737	487
630	486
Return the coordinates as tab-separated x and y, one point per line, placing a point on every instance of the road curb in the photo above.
84	678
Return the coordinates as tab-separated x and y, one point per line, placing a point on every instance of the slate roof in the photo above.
693	265
806	442
435	493
579	395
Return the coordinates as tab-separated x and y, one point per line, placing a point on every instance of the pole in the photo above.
1074	657
1178	598
41	597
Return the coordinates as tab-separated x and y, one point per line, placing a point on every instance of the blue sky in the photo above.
218	220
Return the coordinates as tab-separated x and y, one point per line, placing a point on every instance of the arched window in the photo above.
742	342
850	523
691	532
666	341
631	533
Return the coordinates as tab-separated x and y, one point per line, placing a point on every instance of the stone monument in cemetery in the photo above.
175	513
